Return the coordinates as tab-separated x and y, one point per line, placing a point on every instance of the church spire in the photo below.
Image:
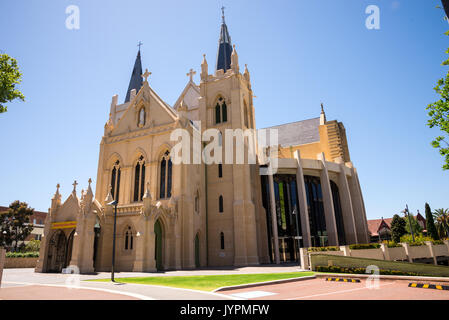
136	77
224	46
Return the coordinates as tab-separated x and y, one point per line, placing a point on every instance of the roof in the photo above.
375	224
38	215
136	77
298	133
224	49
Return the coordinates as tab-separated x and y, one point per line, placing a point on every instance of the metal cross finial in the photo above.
222	13
74	184
191	74
146	75
140	44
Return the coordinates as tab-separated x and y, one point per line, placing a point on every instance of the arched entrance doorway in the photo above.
97	232
197	250
158	245
56	258
69	248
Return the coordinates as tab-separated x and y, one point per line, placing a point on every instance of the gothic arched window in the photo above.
142	114
139	179
220	170
222	241
197	202
115	180
245	115
166	176
129	239
221	111
220	204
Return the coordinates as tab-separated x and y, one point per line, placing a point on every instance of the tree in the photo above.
439	116
397	228
430	224
415	227
442	218
15	224
10	76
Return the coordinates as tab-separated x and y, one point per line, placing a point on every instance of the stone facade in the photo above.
184	216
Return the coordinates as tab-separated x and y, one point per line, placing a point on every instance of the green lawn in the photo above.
209	283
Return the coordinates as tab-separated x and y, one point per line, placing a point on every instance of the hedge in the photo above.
336	269
364	246
319	249
22	255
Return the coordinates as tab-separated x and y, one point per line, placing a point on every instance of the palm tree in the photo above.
442	219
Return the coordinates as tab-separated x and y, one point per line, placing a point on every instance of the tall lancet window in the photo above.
115	180
221	111
139	179
166	176
141	122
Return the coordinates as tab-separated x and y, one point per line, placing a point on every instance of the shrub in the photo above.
392	244
364	246
32	246
22	254
336	269
319	249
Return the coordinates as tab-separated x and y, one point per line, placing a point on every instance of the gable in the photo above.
157	112
190	96
68	211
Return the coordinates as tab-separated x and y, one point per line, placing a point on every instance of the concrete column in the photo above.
346	206
385	251
328	203
304	255
432	253
302	199
2	262
346	251
358	207
407	251
274	223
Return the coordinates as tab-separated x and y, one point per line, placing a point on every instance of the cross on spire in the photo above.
191	74
222	13
146	75
139	44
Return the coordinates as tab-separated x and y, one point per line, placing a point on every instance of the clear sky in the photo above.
299	53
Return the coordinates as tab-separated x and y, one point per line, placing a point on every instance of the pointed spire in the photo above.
234	60
136	77
322	116
224	47
57	194
89	192
204	69
109	197
246	73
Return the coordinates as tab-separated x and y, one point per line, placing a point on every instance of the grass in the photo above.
210	282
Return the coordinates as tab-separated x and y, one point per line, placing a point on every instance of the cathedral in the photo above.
158	214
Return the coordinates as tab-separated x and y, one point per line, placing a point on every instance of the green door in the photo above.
197	251
158	245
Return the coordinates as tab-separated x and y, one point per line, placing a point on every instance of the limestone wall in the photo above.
20	263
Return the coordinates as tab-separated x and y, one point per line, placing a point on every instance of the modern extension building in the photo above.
183	216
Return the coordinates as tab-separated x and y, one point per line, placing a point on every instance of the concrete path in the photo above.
25	283
319	289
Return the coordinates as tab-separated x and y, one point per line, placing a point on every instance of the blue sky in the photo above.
299	53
